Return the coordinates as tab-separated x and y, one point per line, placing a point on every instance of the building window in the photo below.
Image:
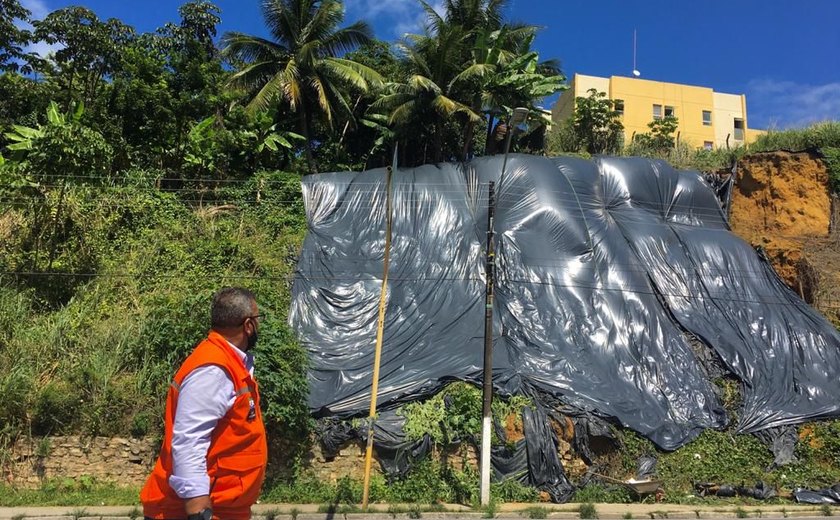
619	106
708	145
669	111
707	118
657	111
739	129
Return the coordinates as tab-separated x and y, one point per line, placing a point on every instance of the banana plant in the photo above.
23	137
267	136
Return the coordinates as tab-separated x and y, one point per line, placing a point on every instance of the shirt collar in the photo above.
239	353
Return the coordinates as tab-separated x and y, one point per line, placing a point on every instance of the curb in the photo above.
452	512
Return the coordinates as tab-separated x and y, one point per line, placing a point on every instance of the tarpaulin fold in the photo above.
610	273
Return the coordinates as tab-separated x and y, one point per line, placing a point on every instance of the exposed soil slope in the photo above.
781	202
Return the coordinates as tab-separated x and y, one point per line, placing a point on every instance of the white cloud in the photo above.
786	104
43	49
38	8
400	16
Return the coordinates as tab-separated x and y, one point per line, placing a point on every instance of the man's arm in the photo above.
206	395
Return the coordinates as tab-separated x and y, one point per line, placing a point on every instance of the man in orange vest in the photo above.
212	461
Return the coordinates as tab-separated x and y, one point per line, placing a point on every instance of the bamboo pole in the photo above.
380	327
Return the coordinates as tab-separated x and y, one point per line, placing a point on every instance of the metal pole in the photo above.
487	413
507	147
519	115
380	327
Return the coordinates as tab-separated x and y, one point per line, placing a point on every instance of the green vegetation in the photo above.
818	136
824	137
429	482
454	415
587	510
598	493
141	172
725	458
596	129
83	491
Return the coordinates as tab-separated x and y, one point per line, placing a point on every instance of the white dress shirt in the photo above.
206	395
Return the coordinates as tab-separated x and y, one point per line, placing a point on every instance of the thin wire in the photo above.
514	195
790	301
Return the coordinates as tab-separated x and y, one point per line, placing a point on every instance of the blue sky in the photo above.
783	54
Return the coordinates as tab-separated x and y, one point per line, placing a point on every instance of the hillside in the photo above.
782	203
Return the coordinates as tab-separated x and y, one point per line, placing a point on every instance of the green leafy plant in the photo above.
587	511
659	139
490	509
537	512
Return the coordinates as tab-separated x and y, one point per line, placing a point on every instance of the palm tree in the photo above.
505	73
302	64
469	64
423	98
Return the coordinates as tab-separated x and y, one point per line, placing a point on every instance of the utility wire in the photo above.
789	301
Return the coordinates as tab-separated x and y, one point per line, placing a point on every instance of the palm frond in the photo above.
447	107
274	88
253	76
474	71
347	39
250	48
369	77
321	96
434	21
402	113
292	87
419	82
282	21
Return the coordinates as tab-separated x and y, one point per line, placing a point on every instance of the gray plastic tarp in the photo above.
612	276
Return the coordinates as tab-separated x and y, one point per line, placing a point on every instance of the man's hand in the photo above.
197	504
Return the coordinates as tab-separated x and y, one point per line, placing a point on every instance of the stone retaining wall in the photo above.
126	462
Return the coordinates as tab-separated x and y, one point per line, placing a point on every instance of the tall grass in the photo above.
88	344
818	136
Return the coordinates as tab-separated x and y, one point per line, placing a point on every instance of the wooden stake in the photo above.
380	327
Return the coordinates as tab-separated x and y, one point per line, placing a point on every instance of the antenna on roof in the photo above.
635	70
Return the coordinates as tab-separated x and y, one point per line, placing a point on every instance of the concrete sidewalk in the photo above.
447	511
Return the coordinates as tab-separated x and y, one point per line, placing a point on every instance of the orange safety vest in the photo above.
238	452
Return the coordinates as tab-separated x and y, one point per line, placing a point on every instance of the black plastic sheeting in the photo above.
761	490
782	442
620	289
821	496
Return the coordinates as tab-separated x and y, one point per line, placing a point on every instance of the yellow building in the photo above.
706	118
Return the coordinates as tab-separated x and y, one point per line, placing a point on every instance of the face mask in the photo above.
252	340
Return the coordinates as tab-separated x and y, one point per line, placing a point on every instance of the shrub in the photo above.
588	511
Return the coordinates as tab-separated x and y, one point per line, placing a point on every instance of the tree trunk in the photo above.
70	89
468	136
489	133
304	129
347	124
55	224
438	152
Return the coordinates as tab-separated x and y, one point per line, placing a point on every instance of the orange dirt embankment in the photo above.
781	202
